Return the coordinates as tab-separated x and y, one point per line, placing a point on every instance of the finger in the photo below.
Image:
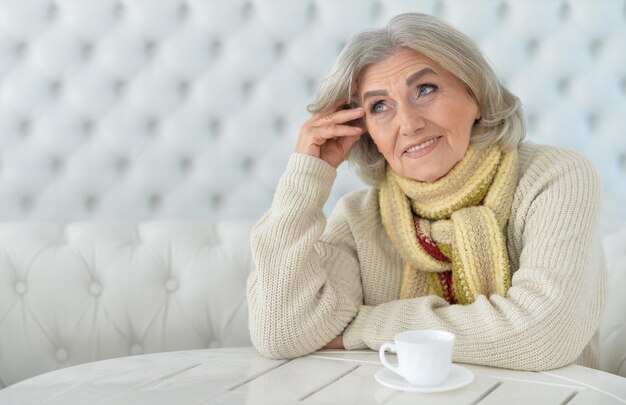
346	143
338	117
334	131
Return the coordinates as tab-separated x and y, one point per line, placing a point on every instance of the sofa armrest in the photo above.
613	326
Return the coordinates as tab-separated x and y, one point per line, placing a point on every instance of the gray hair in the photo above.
502	119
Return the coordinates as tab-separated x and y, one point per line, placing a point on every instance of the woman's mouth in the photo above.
422	148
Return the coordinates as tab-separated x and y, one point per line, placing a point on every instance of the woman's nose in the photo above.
411	120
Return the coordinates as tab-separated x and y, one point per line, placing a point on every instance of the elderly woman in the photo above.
466	228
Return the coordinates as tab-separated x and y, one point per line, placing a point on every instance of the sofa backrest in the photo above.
186	108
88	291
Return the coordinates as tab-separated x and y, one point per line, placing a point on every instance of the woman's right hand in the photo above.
327	136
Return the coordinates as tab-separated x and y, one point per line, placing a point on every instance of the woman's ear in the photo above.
479	112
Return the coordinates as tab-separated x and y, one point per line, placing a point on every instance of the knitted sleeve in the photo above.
554	305
306	287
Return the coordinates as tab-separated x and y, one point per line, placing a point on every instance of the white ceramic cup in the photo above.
424	356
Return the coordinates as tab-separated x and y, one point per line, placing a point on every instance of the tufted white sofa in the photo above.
139	137
81	292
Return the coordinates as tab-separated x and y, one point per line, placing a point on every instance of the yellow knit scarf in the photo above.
462	216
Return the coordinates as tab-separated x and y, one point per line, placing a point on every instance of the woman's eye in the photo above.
425	89
378	107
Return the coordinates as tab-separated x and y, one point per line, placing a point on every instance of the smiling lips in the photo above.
422	148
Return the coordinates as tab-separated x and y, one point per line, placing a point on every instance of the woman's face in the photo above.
419	115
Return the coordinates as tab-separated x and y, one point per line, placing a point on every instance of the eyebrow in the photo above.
414	77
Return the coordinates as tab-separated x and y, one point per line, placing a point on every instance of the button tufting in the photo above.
150	48
53	11
116	91
56	165
247	10
62	355
311	11
247	164
183	11
565	12
20	49
246	87
279	124
183	88
95	289
27	202
215	47
152	125
154	201
91	201
376	9
119	10
592	120
563	85
531	46
531	119
216	201
438	8
502	10
279	48
122	165
136	349
311	85
86	50
20	287
596	47
216	126
171	285
24	127
56	86
185	164
87	127
119	86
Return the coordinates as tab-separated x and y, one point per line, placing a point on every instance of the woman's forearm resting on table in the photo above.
556	300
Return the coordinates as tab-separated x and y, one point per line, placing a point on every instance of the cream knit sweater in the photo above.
315	280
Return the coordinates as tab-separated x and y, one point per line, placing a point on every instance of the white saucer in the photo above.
459	377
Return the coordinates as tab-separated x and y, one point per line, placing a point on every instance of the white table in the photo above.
242	376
